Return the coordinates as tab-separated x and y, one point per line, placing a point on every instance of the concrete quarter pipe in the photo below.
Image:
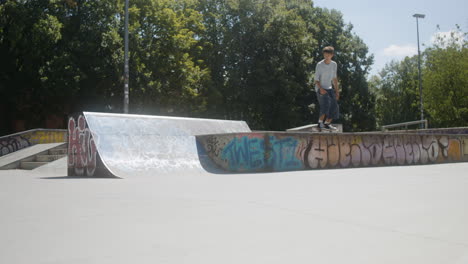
102	144
128	145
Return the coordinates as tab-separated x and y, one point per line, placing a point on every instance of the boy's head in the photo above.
328	52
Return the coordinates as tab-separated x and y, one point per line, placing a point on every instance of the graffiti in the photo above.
81	148
251	153
41	137
279	152
211	144
12	143
244	152
282	154
361	151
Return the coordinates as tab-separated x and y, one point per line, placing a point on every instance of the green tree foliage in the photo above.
260	51
354	62
262	55
397	92
28	32
166	77
445	82
234	59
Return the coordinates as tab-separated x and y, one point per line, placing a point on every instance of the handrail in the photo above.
405	124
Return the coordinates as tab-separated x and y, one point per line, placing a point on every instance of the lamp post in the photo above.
126	74
419	67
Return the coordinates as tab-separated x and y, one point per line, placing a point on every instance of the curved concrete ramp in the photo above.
136	145
103	144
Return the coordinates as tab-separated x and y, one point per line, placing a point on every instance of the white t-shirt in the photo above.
325	73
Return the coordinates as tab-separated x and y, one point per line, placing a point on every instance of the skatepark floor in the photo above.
410	214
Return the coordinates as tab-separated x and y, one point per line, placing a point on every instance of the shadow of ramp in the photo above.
76	178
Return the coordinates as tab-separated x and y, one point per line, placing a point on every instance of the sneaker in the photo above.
329	126
321	127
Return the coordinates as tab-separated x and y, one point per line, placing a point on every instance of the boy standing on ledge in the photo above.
325	81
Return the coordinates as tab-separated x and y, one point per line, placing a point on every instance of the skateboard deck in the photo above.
315	128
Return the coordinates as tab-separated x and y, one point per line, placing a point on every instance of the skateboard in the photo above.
315	128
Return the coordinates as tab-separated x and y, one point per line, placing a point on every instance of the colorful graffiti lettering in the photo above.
12	143
245	153
278	152
250	153
282	154
81	148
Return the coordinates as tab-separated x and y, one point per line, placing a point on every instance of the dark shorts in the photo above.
328	104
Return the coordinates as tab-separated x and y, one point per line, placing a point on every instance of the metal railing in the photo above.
405	124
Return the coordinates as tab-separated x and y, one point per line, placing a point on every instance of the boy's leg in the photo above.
324	104
334	110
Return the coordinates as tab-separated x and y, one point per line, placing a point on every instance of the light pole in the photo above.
419	67
126	97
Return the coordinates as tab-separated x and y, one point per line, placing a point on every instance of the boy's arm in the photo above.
337	89
321	90
335	83
317	80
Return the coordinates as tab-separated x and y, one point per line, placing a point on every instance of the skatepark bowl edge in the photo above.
118	145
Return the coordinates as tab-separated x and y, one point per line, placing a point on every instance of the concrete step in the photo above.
34	156
49	158
29	165
60	151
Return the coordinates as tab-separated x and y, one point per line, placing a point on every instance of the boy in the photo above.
325	81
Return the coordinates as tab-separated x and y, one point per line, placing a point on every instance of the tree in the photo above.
28	31
258	53
445	83
167	77
397	92
235	59
351	54
262	55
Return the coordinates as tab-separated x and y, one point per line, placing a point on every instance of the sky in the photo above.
389	28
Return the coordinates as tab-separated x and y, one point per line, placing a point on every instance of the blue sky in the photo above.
389	28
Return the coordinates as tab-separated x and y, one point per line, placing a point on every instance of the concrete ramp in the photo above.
103	144
136	145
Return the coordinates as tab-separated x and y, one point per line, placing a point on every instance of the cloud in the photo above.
400	51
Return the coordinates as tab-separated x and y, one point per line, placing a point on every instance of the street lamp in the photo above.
126	97
419	67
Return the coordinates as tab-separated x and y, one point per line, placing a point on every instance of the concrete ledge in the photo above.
283	151
14	142
12	160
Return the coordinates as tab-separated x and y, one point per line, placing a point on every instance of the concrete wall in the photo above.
83	157
276	151
15	142
128	145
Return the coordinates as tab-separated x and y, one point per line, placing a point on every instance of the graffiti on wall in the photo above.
279	152
10	144
44	136
356	151
82	152
249	152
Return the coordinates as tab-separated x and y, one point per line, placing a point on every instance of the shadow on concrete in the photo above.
78	177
